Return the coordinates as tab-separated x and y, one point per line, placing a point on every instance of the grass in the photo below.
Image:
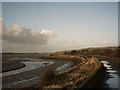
73	77
73	58
106	51
111	53
46	77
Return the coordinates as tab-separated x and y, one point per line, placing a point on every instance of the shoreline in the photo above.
75	76
86	69
13	67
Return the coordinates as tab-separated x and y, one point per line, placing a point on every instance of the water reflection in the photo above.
109	68
31	64
111	76
111	71
28	66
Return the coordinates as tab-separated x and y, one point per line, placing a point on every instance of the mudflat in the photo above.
16	64
8	65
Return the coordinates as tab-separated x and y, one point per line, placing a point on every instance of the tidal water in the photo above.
31	64
111	77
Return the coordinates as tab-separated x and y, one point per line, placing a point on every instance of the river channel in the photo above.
30	74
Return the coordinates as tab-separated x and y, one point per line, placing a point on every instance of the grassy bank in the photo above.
74	77
74	58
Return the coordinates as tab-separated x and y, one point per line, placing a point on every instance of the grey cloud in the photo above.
20	35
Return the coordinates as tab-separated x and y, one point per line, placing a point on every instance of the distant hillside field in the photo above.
108	52
105	51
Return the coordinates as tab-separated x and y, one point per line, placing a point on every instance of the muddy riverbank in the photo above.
30	74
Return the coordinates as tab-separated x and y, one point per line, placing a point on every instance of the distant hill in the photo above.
104	51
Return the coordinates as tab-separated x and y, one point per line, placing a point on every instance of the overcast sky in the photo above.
46	27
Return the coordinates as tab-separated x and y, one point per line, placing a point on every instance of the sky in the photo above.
50	26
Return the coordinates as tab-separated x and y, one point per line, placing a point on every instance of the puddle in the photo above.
109	68
105	62
111	71
106	65
113	82
111	75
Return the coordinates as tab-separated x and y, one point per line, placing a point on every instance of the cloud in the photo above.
104	42
48	33
60	45
21	35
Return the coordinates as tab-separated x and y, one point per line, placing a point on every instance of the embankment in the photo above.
84	74
95	79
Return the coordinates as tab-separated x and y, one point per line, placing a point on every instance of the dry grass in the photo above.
104	51
116	60
73	77
46	77
74	58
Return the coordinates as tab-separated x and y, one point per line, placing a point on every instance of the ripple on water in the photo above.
111	71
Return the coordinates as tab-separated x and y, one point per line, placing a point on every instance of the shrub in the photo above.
46	77
73	52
